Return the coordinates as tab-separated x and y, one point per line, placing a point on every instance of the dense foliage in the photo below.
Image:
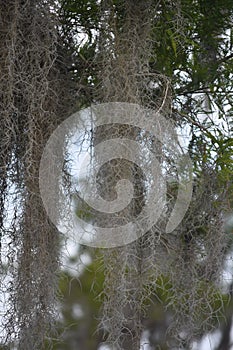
172	56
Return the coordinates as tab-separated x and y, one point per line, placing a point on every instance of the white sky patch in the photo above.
77	311
209	342
104	347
